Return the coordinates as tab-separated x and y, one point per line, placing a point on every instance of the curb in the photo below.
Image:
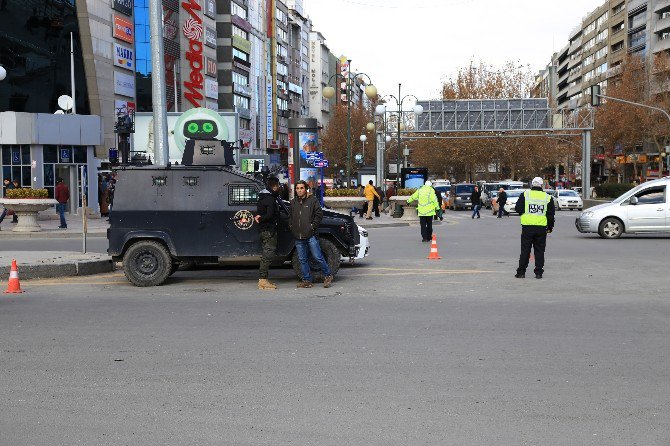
74	268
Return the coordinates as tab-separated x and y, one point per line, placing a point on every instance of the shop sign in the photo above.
123	107
210	37
124	57
124	84
242	44
65	155
124	6
210	66
123	29
269	124
193	32
210	9
211	88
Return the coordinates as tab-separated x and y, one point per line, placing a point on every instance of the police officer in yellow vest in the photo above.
426	208
536	209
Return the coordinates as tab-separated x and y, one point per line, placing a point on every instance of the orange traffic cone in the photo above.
14	286
433	250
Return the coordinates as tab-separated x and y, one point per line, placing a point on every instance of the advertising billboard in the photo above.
124	84
307	142
124	57
123	29
124	6
143	139
413	178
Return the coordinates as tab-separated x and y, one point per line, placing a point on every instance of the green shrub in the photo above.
342	192
26	193
613	190
405	192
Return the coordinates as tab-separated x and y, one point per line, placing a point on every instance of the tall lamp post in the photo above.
363	138
399	100
329	93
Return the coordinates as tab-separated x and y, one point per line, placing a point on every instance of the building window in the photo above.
238	10
601	20
590	28
239	32
282	104
240	79
618	8
283	34
241	102
240	55
602	52
282	69
617	28
16	164
281	17
242	195
617	47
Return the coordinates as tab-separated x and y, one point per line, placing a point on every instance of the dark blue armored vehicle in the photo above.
186	214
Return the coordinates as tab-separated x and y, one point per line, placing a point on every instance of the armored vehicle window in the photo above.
241	195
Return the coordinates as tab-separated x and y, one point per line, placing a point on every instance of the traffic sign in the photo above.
323	163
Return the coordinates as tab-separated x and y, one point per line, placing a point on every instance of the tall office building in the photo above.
320	73
37	145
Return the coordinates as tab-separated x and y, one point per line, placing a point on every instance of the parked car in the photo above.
512	198
459	198
567	199
643	209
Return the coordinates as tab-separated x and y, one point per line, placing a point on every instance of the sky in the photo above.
421	42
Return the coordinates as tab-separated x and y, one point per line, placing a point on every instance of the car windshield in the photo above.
465	189
568	193
514	193
442	189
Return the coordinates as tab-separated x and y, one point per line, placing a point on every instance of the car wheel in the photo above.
147	263
610	228
330	253
579	209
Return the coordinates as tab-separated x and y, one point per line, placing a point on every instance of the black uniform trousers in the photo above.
532	237
426	227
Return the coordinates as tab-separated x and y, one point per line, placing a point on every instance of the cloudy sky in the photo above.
419	42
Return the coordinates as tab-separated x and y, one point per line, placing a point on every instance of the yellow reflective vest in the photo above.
428	205
535	210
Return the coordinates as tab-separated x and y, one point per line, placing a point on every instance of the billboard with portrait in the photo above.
308	142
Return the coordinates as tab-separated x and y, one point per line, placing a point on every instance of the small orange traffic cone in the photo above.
433	250
14	287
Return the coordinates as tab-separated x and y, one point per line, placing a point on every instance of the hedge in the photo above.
26	192
613	190
342	193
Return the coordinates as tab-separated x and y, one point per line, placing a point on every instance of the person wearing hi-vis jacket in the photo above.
537	210
426	208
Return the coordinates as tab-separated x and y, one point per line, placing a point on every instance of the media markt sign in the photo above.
193	32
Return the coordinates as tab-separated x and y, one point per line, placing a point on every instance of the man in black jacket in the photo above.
476	200
536	209
267	219
306	216
502	199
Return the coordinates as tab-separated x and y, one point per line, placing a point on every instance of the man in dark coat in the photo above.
476	200
268	219
502	199
306	216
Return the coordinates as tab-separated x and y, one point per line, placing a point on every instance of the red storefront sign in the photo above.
193	31
123	29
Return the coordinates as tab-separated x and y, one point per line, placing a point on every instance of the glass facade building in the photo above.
142	56
35	51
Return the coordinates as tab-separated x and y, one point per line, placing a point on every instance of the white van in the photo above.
643	209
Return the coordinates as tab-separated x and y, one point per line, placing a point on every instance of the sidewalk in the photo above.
97	227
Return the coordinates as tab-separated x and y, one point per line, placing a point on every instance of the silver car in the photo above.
644	209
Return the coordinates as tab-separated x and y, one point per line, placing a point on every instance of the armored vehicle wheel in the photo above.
174	268
330	253
147	263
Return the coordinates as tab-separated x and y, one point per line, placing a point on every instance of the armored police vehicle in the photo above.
203	213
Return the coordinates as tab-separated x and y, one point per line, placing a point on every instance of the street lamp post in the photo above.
417	109
329	93
363	138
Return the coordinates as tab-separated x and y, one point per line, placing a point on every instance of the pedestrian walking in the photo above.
536	209
427	207
439	212
62	195
502	199
370	194
390	192
7	183
267	219
476	200
306	216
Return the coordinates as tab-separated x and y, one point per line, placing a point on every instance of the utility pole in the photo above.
158	95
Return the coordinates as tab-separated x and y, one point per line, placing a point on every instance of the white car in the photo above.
567	199
644	209
362	249
512	198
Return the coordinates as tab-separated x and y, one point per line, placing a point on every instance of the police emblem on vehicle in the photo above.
243	220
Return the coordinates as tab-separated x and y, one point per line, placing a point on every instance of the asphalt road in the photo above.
401	350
